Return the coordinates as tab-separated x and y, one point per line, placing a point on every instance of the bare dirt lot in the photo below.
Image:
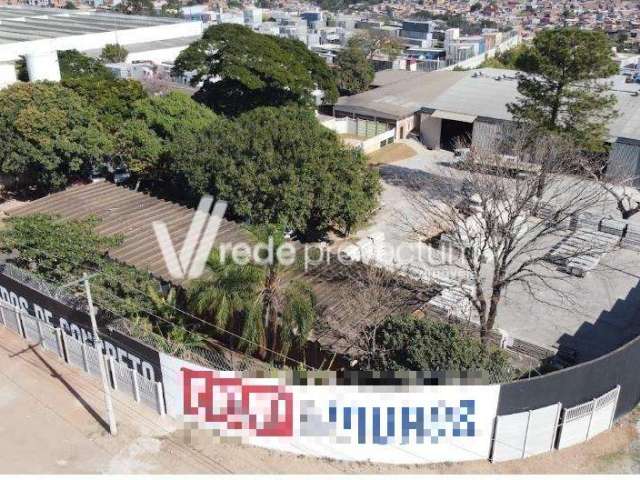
50	422
391	153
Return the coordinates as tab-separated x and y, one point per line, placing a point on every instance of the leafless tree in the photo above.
619	183
368	297
503	232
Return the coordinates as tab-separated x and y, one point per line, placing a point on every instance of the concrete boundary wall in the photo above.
401	423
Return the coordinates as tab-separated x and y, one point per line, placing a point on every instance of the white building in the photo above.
37	34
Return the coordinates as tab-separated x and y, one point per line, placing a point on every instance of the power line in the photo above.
188	314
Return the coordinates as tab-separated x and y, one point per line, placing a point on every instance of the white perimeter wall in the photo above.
318	430
474	62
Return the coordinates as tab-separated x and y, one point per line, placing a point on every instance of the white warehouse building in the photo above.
39	33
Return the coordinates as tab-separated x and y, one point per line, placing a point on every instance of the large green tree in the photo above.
113	99
74	64
241	70
48	135
353	71
409	343
376	42
562	88
114	53
277	166
145	139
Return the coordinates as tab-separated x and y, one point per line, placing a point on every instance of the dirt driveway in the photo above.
50	422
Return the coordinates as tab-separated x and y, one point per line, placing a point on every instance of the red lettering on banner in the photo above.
240	404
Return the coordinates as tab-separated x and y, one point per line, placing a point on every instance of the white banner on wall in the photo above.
392	424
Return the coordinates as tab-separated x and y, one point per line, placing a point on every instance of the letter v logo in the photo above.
197	244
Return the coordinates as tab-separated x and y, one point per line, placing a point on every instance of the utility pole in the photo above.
113	428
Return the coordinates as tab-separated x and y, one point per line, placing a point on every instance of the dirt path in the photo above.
50	423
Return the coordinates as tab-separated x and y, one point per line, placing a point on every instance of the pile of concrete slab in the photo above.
580	252
452	303
631	239
585	221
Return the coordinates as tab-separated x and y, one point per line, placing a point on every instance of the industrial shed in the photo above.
38	33
450	106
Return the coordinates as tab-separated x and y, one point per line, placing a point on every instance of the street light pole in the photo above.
113	428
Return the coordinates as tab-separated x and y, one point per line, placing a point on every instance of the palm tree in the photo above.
177	337
275	315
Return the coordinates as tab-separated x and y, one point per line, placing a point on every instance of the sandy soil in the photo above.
391	153
50	422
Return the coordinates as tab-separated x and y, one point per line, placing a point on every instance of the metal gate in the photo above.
525	434
588	419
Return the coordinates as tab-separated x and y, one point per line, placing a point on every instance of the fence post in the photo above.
85	361
613	412
59	343
160	398
136	387
555	430
593	410
40	341
112	368
21	330
526	434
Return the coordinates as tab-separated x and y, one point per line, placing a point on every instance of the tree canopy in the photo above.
113	99
562	87
114	53
354	72
48	136
377	42
241	70
74	64
409	343
145	140
277	166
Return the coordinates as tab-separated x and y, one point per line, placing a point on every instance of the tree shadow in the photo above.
419	180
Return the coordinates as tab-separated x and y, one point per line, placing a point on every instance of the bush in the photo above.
408	343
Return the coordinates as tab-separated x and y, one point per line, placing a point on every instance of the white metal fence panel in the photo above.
525	434
588	419
543	425
510	435
92	357
10	317
30	327
75	355
123	379
148	392
605	408
575	424
50	339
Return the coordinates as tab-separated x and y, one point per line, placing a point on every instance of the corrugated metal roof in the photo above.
483	92
402	98
125	212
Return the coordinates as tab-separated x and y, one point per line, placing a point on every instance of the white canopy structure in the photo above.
38	33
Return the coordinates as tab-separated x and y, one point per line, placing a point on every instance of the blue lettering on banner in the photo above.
416	424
